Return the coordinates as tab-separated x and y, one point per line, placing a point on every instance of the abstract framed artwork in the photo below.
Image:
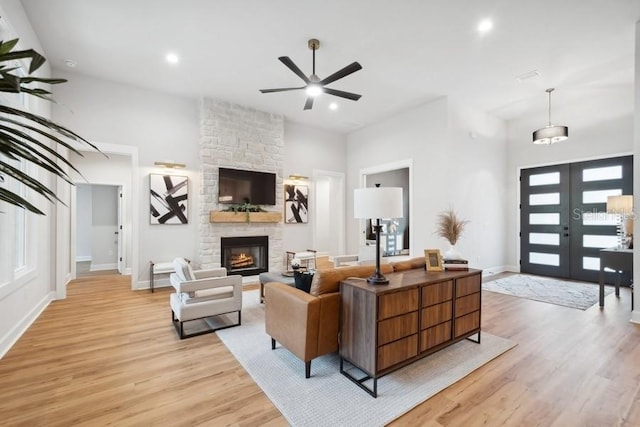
296	204
168	195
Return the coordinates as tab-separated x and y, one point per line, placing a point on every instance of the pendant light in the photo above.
550	134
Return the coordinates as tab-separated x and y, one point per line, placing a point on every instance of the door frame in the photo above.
132	153
536	165
387	167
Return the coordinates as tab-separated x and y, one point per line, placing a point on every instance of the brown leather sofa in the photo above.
307	324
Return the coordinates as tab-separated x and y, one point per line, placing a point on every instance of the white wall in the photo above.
104	225
84	206
600	125
635	316
450	169
24	294
162	127
307	148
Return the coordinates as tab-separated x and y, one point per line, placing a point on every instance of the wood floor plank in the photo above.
107	355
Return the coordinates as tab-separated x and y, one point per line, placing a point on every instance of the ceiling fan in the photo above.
314	86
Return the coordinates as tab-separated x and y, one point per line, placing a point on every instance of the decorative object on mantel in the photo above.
168	199
450	227
550	134
247	208
231	216
296	204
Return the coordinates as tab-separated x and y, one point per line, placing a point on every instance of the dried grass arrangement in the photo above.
450	226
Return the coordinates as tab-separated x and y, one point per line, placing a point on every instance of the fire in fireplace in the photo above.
247	256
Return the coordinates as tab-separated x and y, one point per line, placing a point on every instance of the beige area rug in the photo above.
328	398
580	295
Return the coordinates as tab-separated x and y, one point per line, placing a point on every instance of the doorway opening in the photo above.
98	225
329	212
396	238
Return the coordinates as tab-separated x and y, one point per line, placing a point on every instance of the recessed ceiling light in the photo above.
70	63
485	26
528	75
172	58
333	106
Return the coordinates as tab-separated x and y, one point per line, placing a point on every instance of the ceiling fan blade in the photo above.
342	94
349	69
282	89
309	103
293	67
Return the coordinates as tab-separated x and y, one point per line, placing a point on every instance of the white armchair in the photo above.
203	294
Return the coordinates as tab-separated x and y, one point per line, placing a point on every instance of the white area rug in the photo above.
328	398
578	295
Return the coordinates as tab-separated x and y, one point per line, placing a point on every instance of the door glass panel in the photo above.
544	179
590	263
599	196
602	174
598	218
546	259
544	199
544	239
593	241
545	218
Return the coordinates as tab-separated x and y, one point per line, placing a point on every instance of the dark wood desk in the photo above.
615	259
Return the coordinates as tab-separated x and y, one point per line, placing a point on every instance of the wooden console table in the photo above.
616	259
385	327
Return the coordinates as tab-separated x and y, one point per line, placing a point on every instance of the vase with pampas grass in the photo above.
450	227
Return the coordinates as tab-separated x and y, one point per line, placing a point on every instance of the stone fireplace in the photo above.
246	255
234	136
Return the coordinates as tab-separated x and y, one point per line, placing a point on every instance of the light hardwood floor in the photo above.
109	355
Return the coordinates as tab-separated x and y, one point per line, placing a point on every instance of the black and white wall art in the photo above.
168	199
296	204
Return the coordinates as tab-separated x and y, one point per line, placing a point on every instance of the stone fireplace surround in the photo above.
238	137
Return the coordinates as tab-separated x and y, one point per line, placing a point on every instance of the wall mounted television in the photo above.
237	186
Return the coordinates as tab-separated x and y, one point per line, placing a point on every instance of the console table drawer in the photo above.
397	351
397	327
467	304
437	293
468	285
397	303
467	323
435	314
433	336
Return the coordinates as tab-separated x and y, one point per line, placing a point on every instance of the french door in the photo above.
563	219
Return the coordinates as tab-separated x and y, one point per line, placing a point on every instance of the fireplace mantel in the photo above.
220	216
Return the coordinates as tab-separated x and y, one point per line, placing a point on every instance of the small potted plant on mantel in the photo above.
450	227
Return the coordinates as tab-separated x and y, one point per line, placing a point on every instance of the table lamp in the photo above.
377	203
623	207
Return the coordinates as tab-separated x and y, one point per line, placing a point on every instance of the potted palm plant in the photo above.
28	137
450	227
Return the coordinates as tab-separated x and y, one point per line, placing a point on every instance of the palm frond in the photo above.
25	136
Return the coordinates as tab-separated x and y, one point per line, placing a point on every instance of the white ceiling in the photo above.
412	51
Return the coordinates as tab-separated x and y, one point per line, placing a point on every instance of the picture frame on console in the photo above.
168	199
296	204
433	259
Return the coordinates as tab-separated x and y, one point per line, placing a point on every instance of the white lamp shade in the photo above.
377	202
620	204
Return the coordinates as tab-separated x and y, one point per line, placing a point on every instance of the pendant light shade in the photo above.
550	134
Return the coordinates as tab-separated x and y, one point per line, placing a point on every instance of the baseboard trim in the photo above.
490	271
101	267
83	258
635	317
19	329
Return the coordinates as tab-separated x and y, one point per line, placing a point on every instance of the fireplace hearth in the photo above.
246	256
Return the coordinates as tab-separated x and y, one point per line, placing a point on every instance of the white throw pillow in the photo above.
183	269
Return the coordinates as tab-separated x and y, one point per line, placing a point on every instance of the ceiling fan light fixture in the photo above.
313	90
550	134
